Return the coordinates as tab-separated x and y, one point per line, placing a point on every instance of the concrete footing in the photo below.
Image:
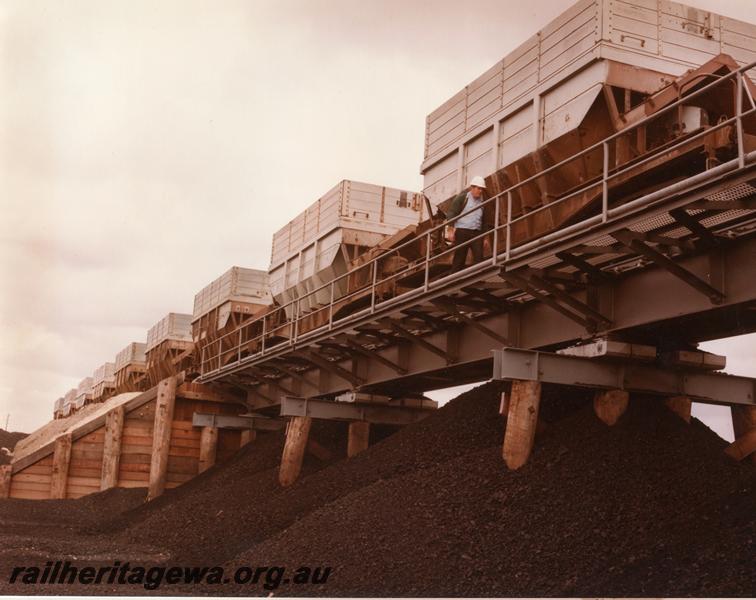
610	405
522	418
294	449
359	437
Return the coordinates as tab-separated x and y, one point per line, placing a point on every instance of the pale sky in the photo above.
146	147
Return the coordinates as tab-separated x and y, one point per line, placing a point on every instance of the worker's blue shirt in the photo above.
474	220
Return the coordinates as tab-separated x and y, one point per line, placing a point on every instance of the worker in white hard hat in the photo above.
469	225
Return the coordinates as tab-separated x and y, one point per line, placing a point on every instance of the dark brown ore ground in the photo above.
649	507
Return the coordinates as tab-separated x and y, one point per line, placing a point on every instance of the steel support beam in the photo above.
349	411
603	347
363	398
256	423
713	388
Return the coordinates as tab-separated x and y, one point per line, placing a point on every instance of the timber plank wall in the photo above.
77	463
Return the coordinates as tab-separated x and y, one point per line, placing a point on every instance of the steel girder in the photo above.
701	386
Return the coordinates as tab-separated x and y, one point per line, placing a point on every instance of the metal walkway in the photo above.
670	268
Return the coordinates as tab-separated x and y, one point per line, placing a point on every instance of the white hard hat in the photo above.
478	181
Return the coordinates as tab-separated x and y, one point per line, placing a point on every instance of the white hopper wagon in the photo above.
83	393
169	346
317	245
69	402
103	381
544	89
130	365
239	291
58	408
232	299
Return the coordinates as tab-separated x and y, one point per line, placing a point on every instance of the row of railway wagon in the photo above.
539	126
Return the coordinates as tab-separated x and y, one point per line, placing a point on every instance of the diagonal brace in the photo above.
629	239
375	356
693	225
583	265
449	307
523	285
273	381
416	339
331	366
567	299
294	375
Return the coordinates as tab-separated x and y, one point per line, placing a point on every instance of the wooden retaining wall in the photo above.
117	448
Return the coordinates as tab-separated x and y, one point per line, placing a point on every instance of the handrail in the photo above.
294	306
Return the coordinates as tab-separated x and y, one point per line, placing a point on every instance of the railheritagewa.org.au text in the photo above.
62	573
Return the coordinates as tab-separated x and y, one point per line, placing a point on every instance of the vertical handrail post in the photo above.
739	121
509	223
330	306
262	344
427	261
605	183
295	329
373	285
495	243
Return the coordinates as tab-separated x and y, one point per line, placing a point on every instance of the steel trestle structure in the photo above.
670	267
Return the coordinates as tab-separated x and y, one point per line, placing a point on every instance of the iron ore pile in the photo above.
8	440
649	507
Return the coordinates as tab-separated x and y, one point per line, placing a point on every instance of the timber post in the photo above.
522	417
111	451
610	405
359	437
744	428
681	406
164	405
208	448
294	449
61	462
247	436
5	481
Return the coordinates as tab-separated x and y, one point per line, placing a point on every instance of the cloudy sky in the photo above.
145	147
